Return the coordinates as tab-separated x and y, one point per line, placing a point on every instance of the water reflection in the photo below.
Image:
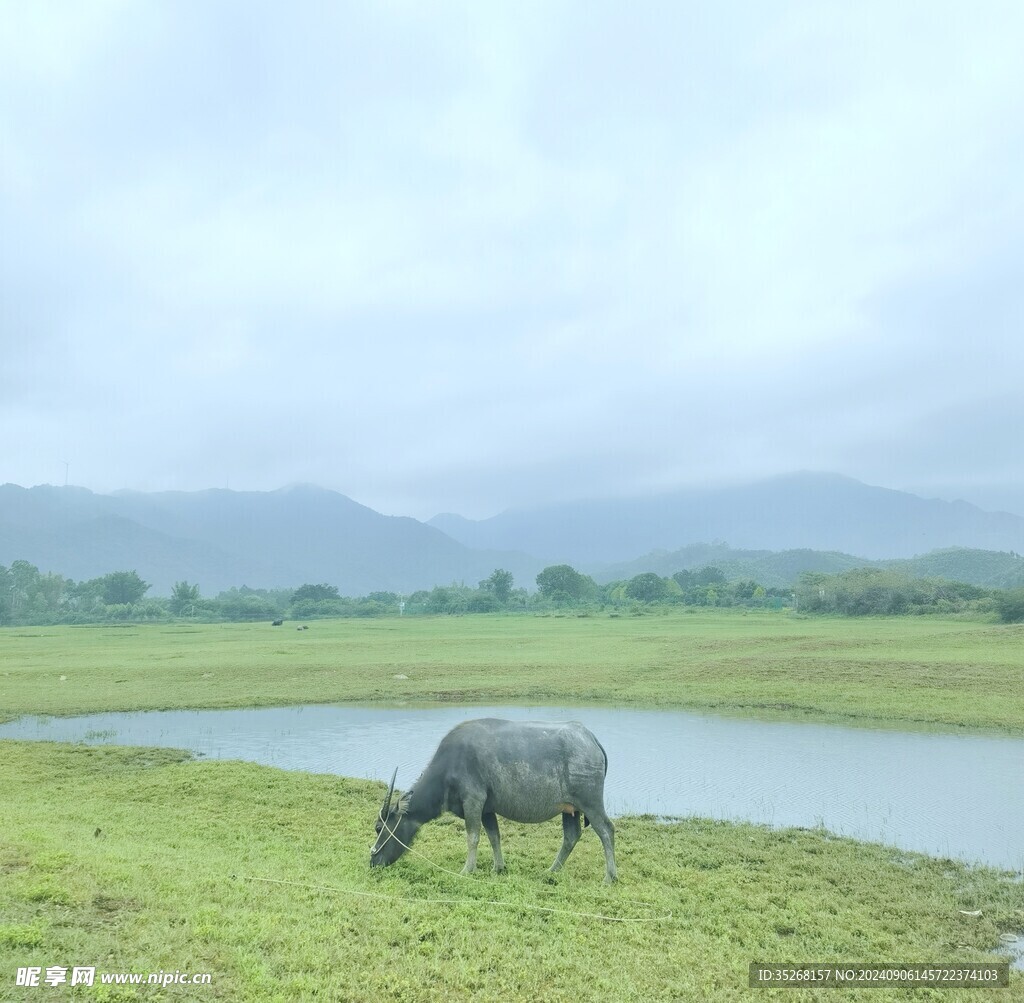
945	795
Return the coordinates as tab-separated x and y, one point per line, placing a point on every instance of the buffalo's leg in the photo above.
490	821
570	837
472	815
602	825
472	842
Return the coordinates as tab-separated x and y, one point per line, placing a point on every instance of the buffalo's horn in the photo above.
391	790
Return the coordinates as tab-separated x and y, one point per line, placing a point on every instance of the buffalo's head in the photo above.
395	829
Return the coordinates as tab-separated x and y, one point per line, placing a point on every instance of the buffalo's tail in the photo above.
586	821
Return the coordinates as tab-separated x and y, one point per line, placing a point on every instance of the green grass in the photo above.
908	672
141	860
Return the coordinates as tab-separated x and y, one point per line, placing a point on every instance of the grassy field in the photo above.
902	672
141	861
145	861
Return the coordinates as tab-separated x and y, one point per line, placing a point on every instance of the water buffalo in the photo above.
527	771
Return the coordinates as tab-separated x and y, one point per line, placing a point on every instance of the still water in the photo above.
946	795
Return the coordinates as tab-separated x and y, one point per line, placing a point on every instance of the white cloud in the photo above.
464	257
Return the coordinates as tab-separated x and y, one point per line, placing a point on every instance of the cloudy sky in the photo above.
463	257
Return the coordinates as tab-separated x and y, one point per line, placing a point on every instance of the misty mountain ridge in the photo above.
804	511
304	534
221	539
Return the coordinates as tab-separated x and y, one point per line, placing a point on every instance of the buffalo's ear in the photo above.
403	802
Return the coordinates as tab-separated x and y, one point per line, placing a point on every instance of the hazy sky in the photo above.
470	256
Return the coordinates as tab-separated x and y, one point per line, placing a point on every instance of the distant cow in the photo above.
527	771
276	623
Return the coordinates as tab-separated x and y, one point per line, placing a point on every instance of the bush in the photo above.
1010	606
880	592
312	609
483	602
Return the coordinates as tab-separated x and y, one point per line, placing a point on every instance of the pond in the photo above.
946	795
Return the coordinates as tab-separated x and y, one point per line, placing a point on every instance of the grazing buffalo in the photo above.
527	771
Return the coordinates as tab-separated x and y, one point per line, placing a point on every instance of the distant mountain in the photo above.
991	498
806	511
282	539
220	539
989	569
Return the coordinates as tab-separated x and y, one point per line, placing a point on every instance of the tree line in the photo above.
882	592
28	596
